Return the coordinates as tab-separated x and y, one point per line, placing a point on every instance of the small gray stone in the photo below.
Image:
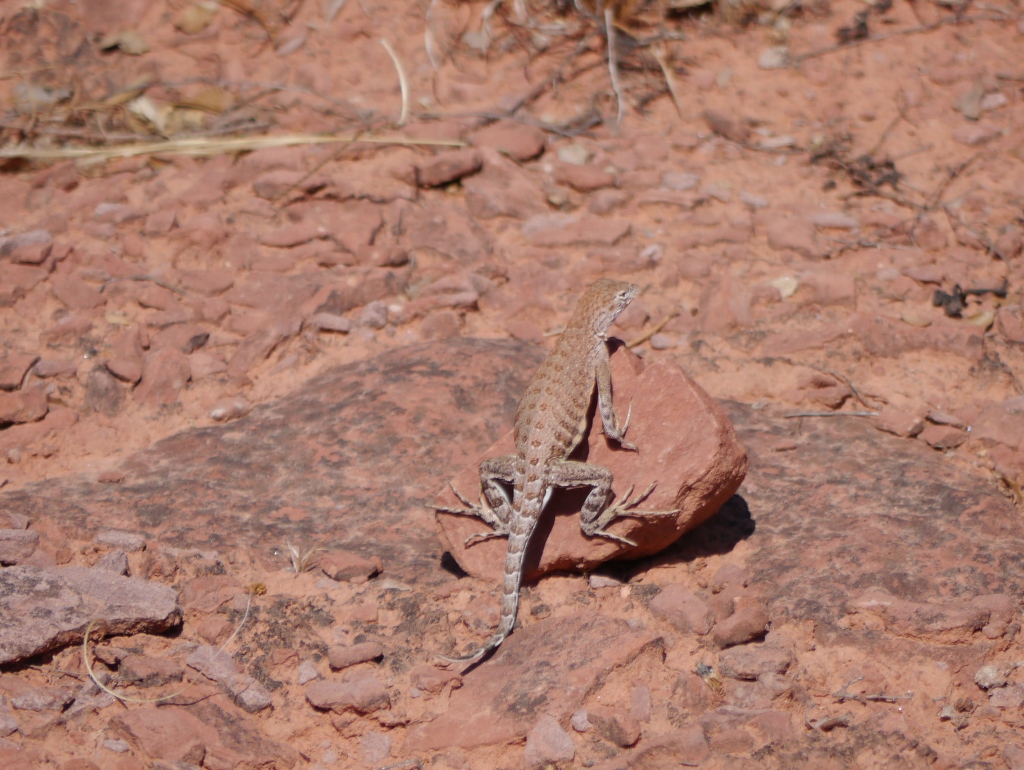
990	676
117	746
219	666
8	724
376	747
307	672
129	542
114	561
374	315
43	699
774	58
547	743
17	544
574	153
580	721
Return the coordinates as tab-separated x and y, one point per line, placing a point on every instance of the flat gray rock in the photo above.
44	609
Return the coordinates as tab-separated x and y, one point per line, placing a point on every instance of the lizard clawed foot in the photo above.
479	537
482	511
620	436
624	507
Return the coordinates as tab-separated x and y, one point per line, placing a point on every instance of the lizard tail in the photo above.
514	555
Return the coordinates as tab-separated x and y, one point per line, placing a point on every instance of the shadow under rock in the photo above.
717	536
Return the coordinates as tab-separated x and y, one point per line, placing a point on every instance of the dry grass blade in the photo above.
301	559
613	63
403	81
207	146
661	55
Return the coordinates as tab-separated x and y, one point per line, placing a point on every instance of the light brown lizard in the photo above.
551	420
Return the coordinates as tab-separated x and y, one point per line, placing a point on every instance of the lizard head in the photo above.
601	304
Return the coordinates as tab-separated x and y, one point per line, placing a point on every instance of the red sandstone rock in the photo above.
547	667
446	168
615	725
750	661
433	680
343	565
547	743
583	178
899	423
17	545
48	608
688	447
362	695
749	621
13	368
343	657
683	609
23	406
164	373
516	140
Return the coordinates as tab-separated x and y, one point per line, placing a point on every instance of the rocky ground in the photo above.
231	381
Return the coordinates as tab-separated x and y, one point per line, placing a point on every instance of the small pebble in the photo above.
307	672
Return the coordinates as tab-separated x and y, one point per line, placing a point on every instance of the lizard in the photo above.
550	421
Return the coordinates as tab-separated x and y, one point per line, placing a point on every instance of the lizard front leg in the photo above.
603	376
596	514
494	507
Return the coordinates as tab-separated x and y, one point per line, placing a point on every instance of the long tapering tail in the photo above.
518	538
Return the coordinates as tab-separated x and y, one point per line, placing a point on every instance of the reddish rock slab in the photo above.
943	436
44	609
899	423
547	743
687	445
342	565
23	406
793	234
18	280
686	747
147	671
343	657
583	178
587	231
57	420
683	609
219	666
326	451
164	373
503	189
433	680
361	695
747	623
749	661
516	140
615	725
547	667
211	731
446	168
76	293
17	544
13	368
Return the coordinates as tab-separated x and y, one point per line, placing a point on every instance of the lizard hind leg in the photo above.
597	526
494	506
